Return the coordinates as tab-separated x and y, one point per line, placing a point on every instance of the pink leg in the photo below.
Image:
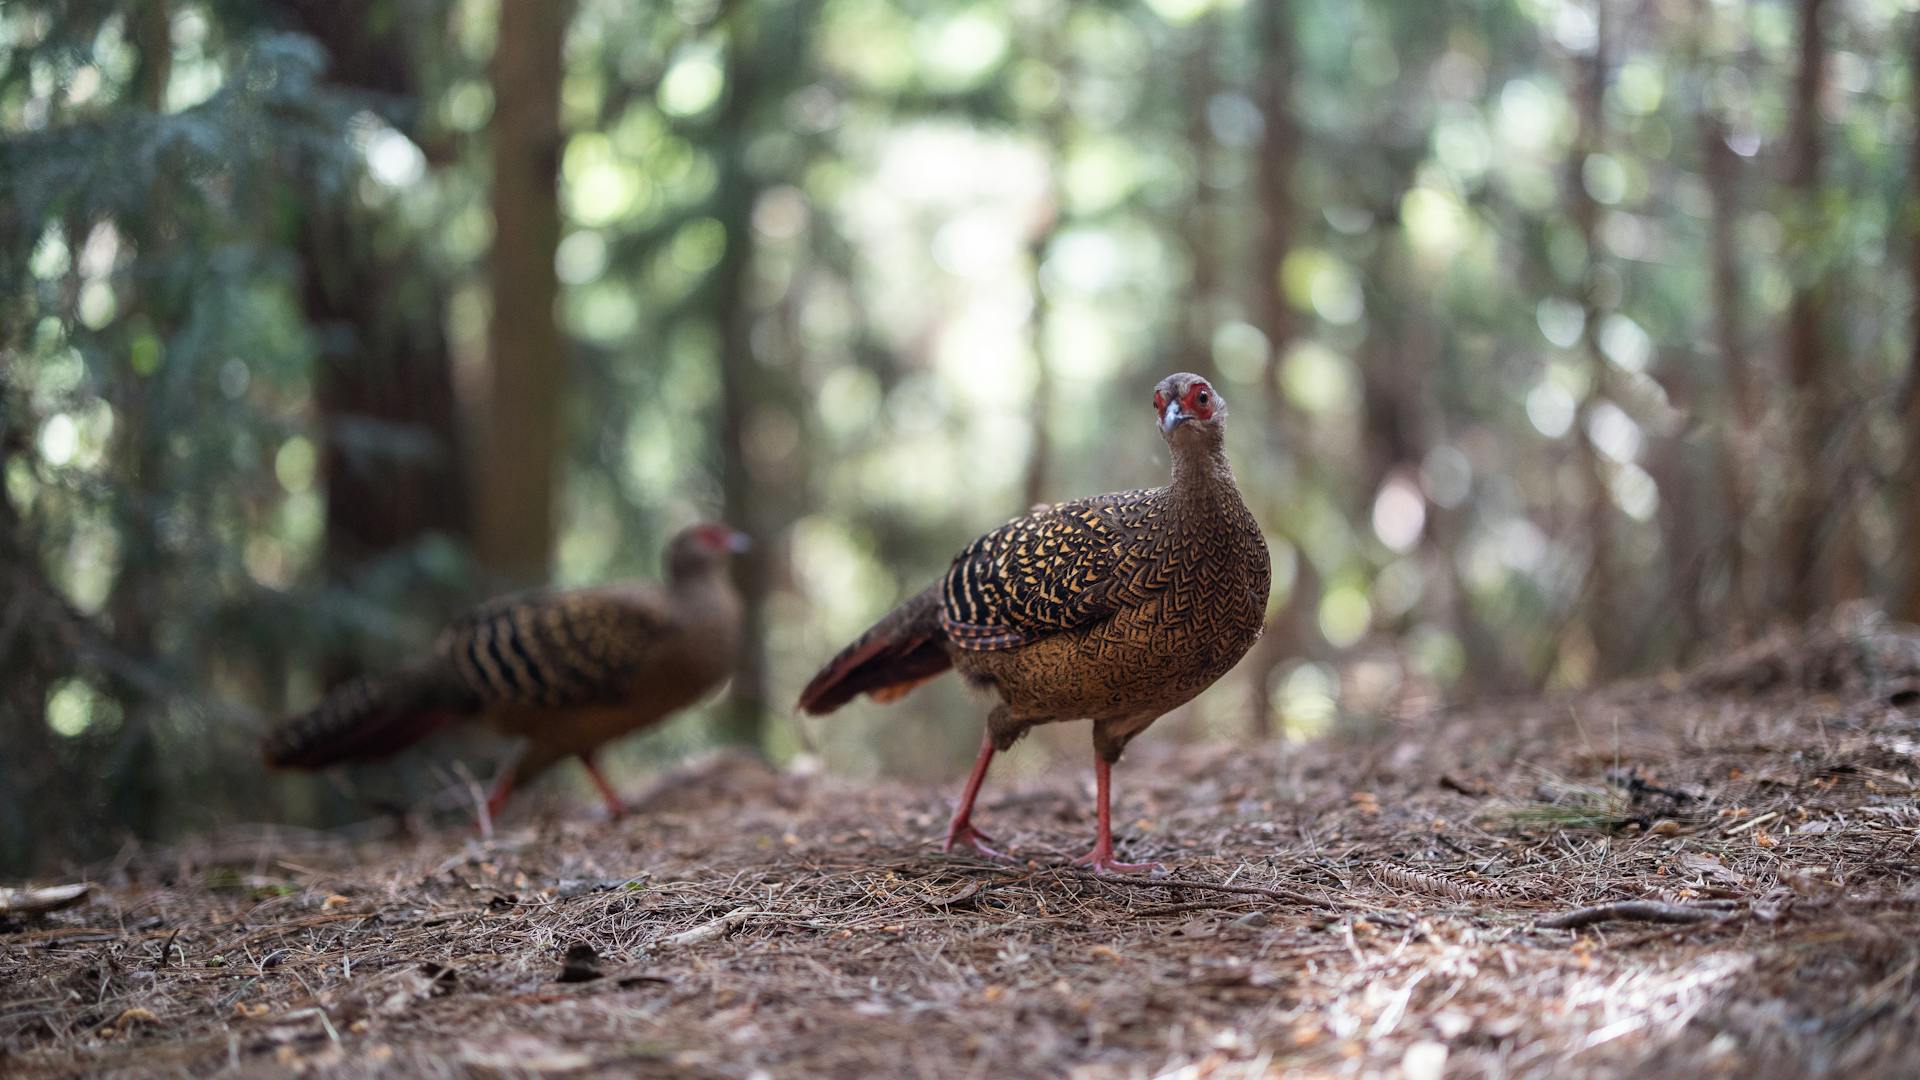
615	808
961	831
1101	859
496	800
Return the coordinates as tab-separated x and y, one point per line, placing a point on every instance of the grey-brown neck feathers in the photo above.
1201	472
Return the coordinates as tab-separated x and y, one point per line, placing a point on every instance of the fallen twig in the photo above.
1630	911
1184	883
42	901
708	931
1179	909
966	895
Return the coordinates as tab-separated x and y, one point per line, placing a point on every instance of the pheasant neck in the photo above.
1201	474
700	590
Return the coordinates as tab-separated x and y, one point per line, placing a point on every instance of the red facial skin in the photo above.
716	537
1198	402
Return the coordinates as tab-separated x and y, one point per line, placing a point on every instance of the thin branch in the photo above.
1630	911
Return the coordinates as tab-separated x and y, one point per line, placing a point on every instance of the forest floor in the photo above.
1708	876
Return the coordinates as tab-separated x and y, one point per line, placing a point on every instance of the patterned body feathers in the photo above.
567	670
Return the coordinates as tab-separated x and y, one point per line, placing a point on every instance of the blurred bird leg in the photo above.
615	808
496	799
470	787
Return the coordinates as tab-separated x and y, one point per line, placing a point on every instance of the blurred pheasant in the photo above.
1117	609
568	671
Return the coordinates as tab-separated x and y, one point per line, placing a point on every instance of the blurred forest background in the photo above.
1565	339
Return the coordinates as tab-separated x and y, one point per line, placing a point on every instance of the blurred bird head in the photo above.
703	549
1190	409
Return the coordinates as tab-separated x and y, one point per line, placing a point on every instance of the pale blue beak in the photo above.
739	542
1172	418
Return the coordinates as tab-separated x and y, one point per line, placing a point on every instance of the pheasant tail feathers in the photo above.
901	651
369	718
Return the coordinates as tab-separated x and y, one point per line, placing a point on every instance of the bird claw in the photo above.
967	836
1101	861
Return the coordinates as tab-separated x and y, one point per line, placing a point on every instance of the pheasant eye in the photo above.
1200	398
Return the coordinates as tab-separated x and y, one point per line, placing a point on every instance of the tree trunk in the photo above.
526	351
385	379
743	720
384	373
1196	312
1906	605
1040	454
1045	225
153	36
32	775
1810	471
1737	409
1602	587
767	50
1289	628
131	772
1684	538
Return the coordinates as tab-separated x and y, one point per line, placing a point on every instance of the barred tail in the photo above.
371	717
901	651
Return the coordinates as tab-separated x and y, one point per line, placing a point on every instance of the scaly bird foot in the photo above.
963	834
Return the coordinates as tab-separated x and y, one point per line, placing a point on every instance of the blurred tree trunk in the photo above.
1291	627
1042	230
526	351
1040	454
391	460
763	53
743	721
1393	373
1602	588
391	445
31	773
1683	531
153	36
1800	535
130	772
1196	312
1906	604
1737	409
1405	375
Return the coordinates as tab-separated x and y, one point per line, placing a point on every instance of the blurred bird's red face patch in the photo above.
721	538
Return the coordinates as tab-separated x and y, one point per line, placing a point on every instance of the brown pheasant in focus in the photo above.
568	671
1116	609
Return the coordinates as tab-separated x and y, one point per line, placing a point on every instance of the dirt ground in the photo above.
1710	876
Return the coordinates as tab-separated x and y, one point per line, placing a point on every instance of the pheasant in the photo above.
567	670
1118	609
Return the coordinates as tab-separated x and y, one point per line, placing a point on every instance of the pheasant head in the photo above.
702	550
1192	413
